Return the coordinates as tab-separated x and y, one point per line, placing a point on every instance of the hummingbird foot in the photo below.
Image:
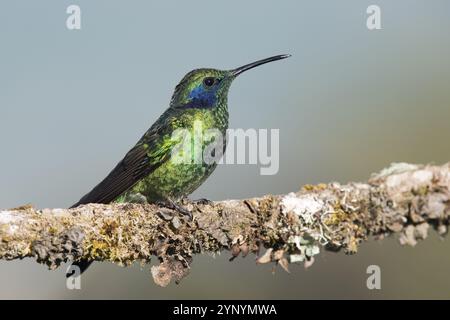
203	201
174	206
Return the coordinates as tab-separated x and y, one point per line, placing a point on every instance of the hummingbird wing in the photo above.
134	166
152	150
148	154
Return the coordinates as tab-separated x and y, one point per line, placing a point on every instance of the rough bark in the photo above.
404	199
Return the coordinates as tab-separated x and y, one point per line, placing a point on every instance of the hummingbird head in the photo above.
207	88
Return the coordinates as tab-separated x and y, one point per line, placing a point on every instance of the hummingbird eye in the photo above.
209	81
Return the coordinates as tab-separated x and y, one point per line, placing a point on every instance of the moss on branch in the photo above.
404	199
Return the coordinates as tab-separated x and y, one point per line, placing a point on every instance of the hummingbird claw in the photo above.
184	211
203	201
174	206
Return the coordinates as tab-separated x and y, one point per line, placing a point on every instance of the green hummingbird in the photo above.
146	173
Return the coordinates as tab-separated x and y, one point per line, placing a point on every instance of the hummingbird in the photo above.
146	174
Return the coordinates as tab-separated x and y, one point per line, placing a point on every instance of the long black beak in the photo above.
249	66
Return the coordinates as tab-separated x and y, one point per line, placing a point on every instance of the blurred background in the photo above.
348	102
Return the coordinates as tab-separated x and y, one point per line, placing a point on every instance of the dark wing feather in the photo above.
139	162
130	170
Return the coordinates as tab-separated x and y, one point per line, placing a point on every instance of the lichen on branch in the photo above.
283	229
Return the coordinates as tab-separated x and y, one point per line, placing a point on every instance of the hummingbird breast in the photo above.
199	131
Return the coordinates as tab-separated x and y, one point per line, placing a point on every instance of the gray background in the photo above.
349	102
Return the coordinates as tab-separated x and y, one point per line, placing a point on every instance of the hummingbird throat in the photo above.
201	98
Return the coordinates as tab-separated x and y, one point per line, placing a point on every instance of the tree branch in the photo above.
405	199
